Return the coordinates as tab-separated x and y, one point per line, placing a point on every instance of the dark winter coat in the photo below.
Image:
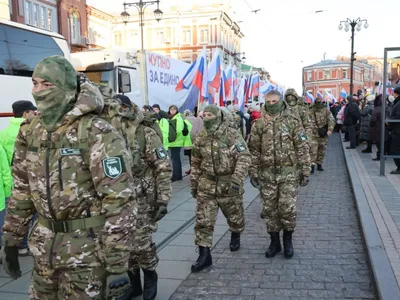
376	121
365	120
351	114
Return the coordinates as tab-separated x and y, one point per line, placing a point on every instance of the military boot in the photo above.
203	261
149	285
275	245
319	167
136	283
287	244
312	169
235	241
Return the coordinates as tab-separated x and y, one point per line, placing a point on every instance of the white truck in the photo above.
147	78
21	48
120	70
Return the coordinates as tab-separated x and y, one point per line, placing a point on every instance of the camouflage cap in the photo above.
215	110
58	71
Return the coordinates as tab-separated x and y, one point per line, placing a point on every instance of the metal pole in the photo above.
141	23
353	24
383	117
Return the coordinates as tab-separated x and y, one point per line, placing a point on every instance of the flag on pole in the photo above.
320	96
228	81
343	95
214	70
196	76
241	94
255	85
309	98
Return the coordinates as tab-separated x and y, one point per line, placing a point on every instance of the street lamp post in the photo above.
141	5
347	24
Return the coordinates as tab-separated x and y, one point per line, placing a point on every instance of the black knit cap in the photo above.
124	100
397	90
19	107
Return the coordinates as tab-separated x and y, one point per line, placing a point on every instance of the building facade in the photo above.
67	17
99	28
334	75
182	33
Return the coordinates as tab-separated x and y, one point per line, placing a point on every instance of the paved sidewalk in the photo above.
378	200
330	259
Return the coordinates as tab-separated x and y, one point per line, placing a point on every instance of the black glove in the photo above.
11	262
159	212
255	182
234	188
304	180
118	287
194	193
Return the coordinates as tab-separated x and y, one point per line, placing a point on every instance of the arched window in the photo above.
74	27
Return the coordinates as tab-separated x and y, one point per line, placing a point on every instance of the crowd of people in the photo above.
89	176
360	119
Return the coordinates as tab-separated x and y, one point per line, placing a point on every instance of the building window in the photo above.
186	36
40	15
344	73
204	37
327	75
118	39
160	38
74	27
309	76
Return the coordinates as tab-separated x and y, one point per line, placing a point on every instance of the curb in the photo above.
385	280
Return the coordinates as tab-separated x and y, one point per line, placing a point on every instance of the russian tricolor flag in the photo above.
255	85
309	98
343	94
320	96
196	76
214	70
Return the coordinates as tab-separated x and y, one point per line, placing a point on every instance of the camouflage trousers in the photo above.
320	145
313	145
206	215
69	284
279	205
144	253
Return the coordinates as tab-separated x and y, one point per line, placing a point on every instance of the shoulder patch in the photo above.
113	167
240	147
161	153
303	136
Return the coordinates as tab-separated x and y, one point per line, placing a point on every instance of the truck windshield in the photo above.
101	77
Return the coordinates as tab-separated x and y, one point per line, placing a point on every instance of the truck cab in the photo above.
116	68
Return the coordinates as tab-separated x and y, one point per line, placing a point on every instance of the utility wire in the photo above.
255	12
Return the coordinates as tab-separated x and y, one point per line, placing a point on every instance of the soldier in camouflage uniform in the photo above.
220	160
74	170
296	108
279	148
322	123
152	175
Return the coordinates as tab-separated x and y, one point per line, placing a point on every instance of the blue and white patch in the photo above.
69	151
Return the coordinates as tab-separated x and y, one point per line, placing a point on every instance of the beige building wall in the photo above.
5	9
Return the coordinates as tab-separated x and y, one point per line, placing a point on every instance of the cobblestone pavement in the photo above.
330	261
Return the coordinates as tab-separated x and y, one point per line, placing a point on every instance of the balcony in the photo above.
80	41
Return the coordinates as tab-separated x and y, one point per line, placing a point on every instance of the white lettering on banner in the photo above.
163	75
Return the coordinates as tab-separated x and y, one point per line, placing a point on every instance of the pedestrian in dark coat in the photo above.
365	122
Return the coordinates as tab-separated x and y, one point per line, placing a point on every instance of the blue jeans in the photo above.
176	163
24	243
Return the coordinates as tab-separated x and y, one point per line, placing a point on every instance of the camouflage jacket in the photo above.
279	148
219	159
302	113
80	170
321	117
151	166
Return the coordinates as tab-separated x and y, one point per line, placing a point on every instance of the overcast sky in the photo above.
286	35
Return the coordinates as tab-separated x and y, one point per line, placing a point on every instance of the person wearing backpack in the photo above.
73	169
152	174
179	127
